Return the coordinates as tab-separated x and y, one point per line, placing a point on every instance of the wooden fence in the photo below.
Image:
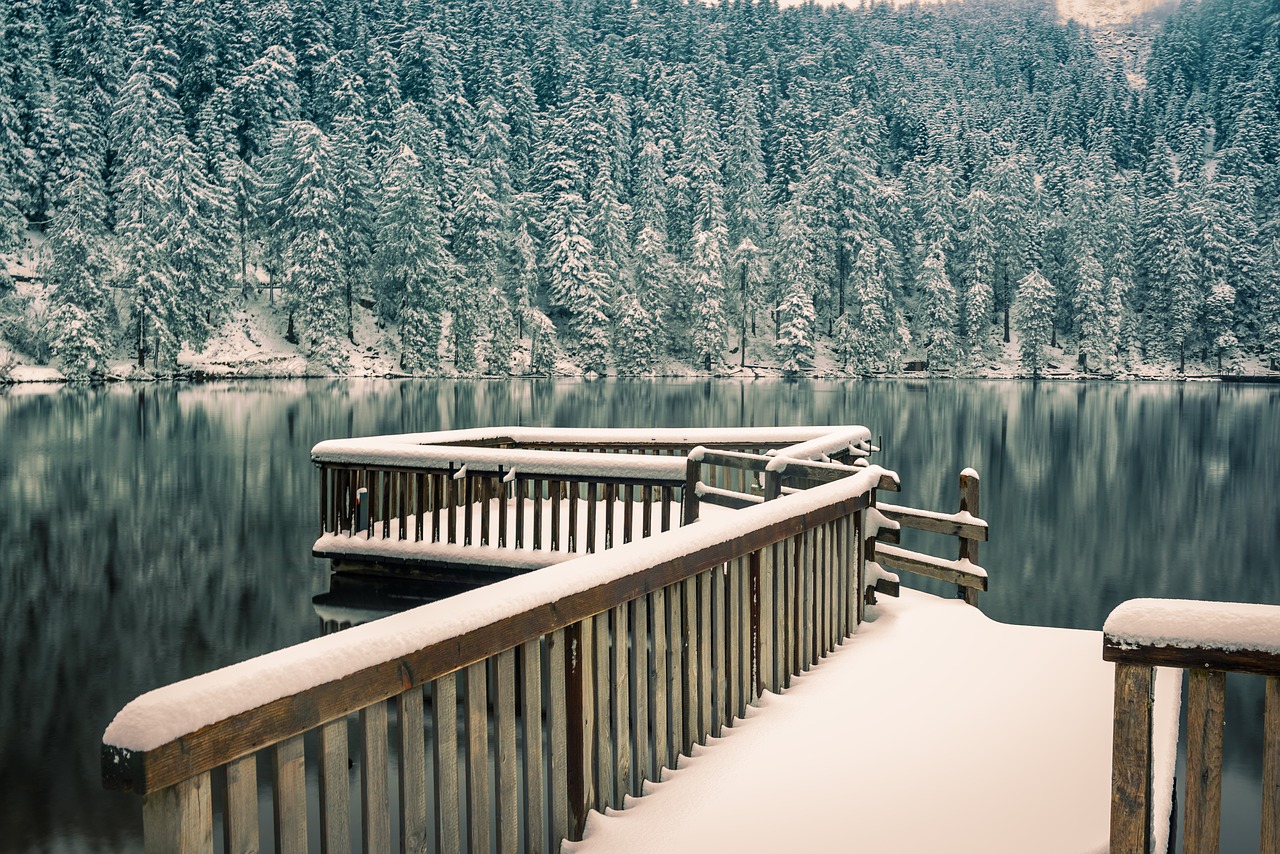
1208	639
506	733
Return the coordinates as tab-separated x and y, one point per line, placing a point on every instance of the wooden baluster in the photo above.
414	829
733	636
720	679
444	713
763	604
388	483
477	713
704	655
646	516
640	696
661	681
693	682
675	674
485	493
579	653
748	593
609	495
325	501
1203	817
519	499
240	817
591	518
573	517
1131	760
621	701
451	504
374	797
554	488
437	499
468	507
604	732
420	505
502	510
537	513
178	819
291	797
668	498
628	512
692	472
535	789
335	789
507	763
1271	768
558	729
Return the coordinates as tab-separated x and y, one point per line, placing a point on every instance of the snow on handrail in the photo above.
1192	624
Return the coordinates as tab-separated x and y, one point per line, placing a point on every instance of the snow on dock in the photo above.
933	728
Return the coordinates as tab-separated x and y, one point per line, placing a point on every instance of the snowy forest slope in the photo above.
498	186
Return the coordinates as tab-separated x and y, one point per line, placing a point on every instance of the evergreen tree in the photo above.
78	272
1097	338
938	315
574	282
1033	319
978	244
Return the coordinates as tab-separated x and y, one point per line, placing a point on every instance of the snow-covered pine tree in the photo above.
1033	310
412	267
27	73
1186	301
794	284
265	95
353	225
977	242
634	336
78	272
939	317
574	282
1097	340
192	243
477	239
881	333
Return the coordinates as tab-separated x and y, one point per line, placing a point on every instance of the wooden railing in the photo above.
965	525
539	490
1208	639
572	684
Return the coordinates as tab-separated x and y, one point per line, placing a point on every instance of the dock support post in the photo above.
968	547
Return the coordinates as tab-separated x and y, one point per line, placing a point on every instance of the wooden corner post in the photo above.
968	547
1131	759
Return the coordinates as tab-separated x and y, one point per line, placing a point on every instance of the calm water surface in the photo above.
151	533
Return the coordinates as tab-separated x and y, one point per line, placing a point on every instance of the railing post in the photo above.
1131	760
362	510
179	819
1205	714
692	472
968	547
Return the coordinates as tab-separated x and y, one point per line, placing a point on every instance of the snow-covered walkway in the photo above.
932	729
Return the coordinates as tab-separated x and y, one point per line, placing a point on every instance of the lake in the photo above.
150	533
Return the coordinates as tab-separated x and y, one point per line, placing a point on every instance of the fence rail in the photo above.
1209	639
524	704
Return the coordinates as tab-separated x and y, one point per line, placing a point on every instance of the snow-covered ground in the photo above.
932	728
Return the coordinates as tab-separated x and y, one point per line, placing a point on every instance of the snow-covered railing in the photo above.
591	676
1208	639
964	525
543	492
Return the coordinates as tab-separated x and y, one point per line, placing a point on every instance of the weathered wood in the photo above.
969	544
240	816
609	494
937	523
178	819
621	701
894	557
535	790
736	460
1230	661
291	796
374	797
444	708
580	694
690	500
574	544
537	514
335	789
555	515
659	678
692	665
716	581
414	829
628	514
477	713
640	695
676	670
451	505
484	487
506	762
604	730
1271	768
668	498
766	633
733	641
1205	715
1131	760
558	723
519	498
591	521
646	514
704	655
725	498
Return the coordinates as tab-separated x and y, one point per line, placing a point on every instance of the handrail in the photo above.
746	610
1208	639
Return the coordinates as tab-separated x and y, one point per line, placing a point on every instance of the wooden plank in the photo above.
646	513
640	673
477	714
581	707
717	580
704	654
604	730
1271	768
748	634
1131	760
937	523
554	489
668	498
518	497
659	677
591	520
414	828
420	505
537	514
1236	661
1205	713
628	514
894	557
507	764
535	787
969	544
335	789
374	767
178	819
483	508
503	510
451	505
240	816
437	501
733	641
676	671
574	537
689	510
609	493
804	587
444	709
558	721
692	664
291	797
725	498
766	679
621	702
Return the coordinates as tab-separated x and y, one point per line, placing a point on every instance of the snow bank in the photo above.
167	713
1188	624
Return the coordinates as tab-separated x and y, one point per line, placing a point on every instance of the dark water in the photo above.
151	533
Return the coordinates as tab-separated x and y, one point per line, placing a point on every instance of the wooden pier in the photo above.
654	585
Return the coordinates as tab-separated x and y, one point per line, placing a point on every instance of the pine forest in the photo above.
638	187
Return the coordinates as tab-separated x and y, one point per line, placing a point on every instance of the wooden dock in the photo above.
658	584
